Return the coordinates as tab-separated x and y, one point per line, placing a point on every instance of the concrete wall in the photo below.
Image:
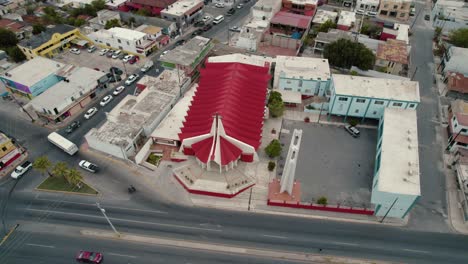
113	41
305	87
105	147
144	151
383	202
367	5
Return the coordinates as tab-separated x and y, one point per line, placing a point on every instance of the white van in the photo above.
218	19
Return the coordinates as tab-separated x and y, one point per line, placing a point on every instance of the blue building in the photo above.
396	182
307	76
364	97
33	77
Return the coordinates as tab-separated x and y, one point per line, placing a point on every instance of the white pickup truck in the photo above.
21	169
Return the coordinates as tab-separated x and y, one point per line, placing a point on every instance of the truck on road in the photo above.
21	169
63	143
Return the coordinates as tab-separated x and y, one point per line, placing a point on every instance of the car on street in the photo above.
427	17
235	29
127	58
133	60
199	23
92	49
131	79
72	127
89	257
105	100
206	19
118	90
88	166
207	27
109	54
103	52
117	54
197	32
75	51
148	65
180	42
92	111
164	53
21	169
352	130
220	5
231	11
239	6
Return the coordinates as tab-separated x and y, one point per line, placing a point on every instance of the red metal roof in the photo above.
290	19
236	92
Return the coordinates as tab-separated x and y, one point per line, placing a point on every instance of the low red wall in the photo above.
339	209
220	195
10	161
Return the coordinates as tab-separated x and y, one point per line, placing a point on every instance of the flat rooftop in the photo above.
169	128
393	50
333	35
347	18
125	33
290	19
302	67
243	58
3	138
399	162
115	133
187	53
181	7
323	16
32	71
358	86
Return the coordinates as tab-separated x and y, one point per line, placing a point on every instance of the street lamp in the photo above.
103	211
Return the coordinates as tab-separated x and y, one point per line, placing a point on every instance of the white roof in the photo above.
347	18
290	96
323	16
368	2
243	58
399	162
169	128
32	71
115	3
303	2
125	33
181	7
81	81
302	67
378	88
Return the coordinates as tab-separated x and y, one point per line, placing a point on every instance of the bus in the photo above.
63	143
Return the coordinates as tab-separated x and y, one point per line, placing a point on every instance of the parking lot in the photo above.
95	61
331	163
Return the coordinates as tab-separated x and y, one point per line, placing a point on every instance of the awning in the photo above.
79	42
290	97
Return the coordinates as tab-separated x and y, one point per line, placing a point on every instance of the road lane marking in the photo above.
127	220
344	243
416	251
94	205
121	255
39	245
280	237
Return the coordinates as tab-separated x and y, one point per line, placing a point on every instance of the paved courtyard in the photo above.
332	163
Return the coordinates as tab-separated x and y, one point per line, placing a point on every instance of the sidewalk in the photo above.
8	169
324	119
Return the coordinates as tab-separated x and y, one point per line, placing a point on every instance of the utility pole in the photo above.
103	211
125	69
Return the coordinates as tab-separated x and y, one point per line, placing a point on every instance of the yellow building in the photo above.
52	41
8	151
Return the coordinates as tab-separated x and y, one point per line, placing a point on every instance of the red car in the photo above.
89	257
134	59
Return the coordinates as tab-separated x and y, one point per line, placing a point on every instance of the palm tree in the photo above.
60	169
73	176
42	164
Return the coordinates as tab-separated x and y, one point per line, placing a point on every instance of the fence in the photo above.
329	208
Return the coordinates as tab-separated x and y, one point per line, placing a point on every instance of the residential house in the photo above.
21	29
128	40
396	185
8	151
392	57
456	82
154	6
183	12
399	32
154	33
103	16
302	7
449	15
367	5
364	97
454	60
346	20
323	16
168	28
325	38
458	125
398	10
33	77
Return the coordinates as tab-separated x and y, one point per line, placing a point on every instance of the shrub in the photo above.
354	73
273	149
271	165
322	200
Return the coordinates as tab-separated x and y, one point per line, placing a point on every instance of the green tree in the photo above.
16	54
89	10
273	149
437	33
38	28
143	12
60	169
42	164
322	200
459	37
345	53
51	15
326	26
271	165
73	177
131	21
79	22
275	104
112	23
7	38
98	5
372	30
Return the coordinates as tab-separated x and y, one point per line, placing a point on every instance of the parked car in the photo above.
105	100
235	29
197	32
92	111
103	52
352	130
75	51
115	70
21	169
360	12
89	257
148	65
131	79
118	90
180	42
92	49
72	127
88	166
427	17
239	6
117	54
231	11
206	19
199	23
127	58
371	13
109	54
220	5
207	27
133	60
